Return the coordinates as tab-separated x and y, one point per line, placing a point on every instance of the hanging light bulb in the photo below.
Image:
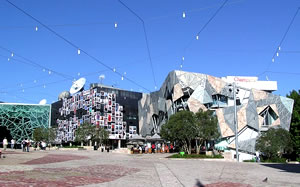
273	60
44	70
180	65
116	24
183	58
114	69
49	72
78	74
23	90
44	86
78	51
34	81
183	14
8	59
279	48
122	78
277	54
197	37
125	73
131	89
36	28
155	87
12	54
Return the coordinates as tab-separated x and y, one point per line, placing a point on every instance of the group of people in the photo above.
5	143
163	148
154	148
42	145
25	145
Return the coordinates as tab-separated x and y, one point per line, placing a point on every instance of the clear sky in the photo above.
241	40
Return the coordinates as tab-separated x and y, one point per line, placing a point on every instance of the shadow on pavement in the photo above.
198	183
293	168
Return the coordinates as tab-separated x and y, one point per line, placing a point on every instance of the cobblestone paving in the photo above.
53	158
64	176
96	169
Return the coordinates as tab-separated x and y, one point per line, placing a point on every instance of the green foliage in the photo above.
100	135
206	127
252	160
38	134
73	146
185	126
44	134
87	131
274	143
295	122
84	132
181	129
275	160
191	156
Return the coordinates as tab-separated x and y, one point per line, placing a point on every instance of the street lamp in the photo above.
235	119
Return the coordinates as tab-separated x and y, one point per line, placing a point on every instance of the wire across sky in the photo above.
46	45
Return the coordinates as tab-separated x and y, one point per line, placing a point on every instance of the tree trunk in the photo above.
185	146
190	147
198	145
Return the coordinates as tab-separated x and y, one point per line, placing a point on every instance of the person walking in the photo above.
12	143
171	148
28	144
153	148
5	143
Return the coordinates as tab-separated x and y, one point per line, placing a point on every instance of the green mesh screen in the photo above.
22	119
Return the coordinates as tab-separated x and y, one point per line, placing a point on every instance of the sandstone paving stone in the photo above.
122	170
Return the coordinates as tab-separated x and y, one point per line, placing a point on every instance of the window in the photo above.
219	101
269	116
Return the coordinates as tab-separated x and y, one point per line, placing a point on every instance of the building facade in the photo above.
113	109
257	108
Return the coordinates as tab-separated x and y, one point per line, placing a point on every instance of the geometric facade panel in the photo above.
22	119
256	109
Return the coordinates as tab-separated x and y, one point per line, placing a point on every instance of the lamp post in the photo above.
235	122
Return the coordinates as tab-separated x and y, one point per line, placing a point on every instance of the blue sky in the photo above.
240	40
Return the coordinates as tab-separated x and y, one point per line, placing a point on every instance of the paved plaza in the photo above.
94	168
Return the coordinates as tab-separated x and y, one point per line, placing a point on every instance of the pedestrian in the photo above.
43	145
12	143
153	148
257	158
171	148
5	143
167	148
158	148
23	145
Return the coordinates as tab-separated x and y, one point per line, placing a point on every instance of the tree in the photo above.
295	122
180	128
206	127
44	134
88	131
100	136
84	132
274	142
51	134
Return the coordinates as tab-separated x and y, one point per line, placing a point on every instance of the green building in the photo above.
18	120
